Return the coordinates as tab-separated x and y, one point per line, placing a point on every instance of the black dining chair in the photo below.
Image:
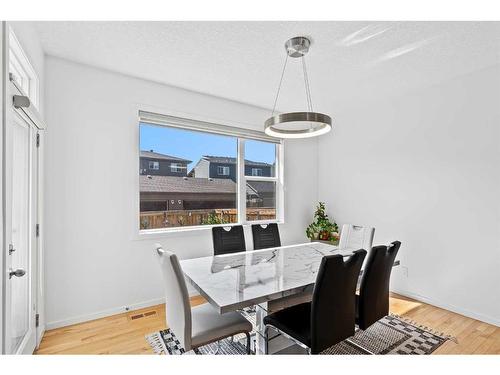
265	236
228	241
330	317
372	303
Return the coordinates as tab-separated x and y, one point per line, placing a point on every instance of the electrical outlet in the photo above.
405	271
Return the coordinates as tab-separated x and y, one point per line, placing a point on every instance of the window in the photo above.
256	172
225	176
21	70
177	167
261	179
223	171
154	165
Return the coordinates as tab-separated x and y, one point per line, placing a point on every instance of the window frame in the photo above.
240	135
177	167
155	163
277	179
224	169
256	170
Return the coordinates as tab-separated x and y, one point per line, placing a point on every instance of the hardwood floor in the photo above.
124	333
117	334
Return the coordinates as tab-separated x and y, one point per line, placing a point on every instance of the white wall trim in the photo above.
39	335
101	314
108	312
452	308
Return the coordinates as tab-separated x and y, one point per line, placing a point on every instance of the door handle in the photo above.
17	273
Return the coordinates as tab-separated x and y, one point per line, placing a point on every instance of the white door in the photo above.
21	235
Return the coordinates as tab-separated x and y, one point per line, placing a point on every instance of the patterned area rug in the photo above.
390	335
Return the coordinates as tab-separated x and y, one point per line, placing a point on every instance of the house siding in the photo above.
164	170
201	170
214	174
266	171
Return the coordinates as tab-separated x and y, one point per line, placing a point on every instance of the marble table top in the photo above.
233	281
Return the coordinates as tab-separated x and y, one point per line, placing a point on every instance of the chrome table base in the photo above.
277	343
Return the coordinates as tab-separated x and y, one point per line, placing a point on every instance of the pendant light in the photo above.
297	124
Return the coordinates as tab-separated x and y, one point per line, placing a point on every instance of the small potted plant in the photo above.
322	228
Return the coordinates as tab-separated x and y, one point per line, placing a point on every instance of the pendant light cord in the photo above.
279	86
306	83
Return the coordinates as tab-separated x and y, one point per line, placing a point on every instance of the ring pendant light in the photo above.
297	124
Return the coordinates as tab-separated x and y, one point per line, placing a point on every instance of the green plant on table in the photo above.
322	227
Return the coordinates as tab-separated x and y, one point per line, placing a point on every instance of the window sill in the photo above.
150	234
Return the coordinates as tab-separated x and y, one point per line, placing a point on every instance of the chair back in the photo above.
356	237
333	307
178	309
228	241
266	236
373	301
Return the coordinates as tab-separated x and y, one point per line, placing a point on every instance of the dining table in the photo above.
261	281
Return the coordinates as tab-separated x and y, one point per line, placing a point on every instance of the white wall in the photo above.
95	265
424	168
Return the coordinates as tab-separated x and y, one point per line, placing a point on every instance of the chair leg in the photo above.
266	339
281	333
248	342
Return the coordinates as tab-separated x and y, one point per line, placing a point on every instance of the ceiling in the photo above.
348	61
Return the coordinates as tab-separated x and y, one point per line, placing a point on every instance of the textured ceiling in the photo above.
348	61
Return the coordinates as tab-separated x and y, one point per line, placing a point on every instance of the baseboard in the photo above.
453	308
102	314
41	332
108	312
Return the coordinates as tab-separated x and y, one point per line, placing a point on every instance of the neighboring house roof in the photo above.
155	155
229	160
174	184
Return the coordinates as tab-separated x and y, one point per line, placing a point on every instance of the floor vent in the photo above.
142	315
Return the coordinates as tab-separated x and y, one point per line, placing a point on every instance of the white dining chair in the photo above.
199	325
356	237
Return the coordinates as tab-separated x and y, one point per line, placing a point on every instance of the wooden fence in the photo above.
182	218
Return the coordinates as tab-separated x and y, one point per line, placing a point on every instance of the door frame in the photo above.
4	50
34	120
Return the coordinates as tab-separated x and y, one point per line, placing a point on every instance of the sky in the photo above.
193	145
